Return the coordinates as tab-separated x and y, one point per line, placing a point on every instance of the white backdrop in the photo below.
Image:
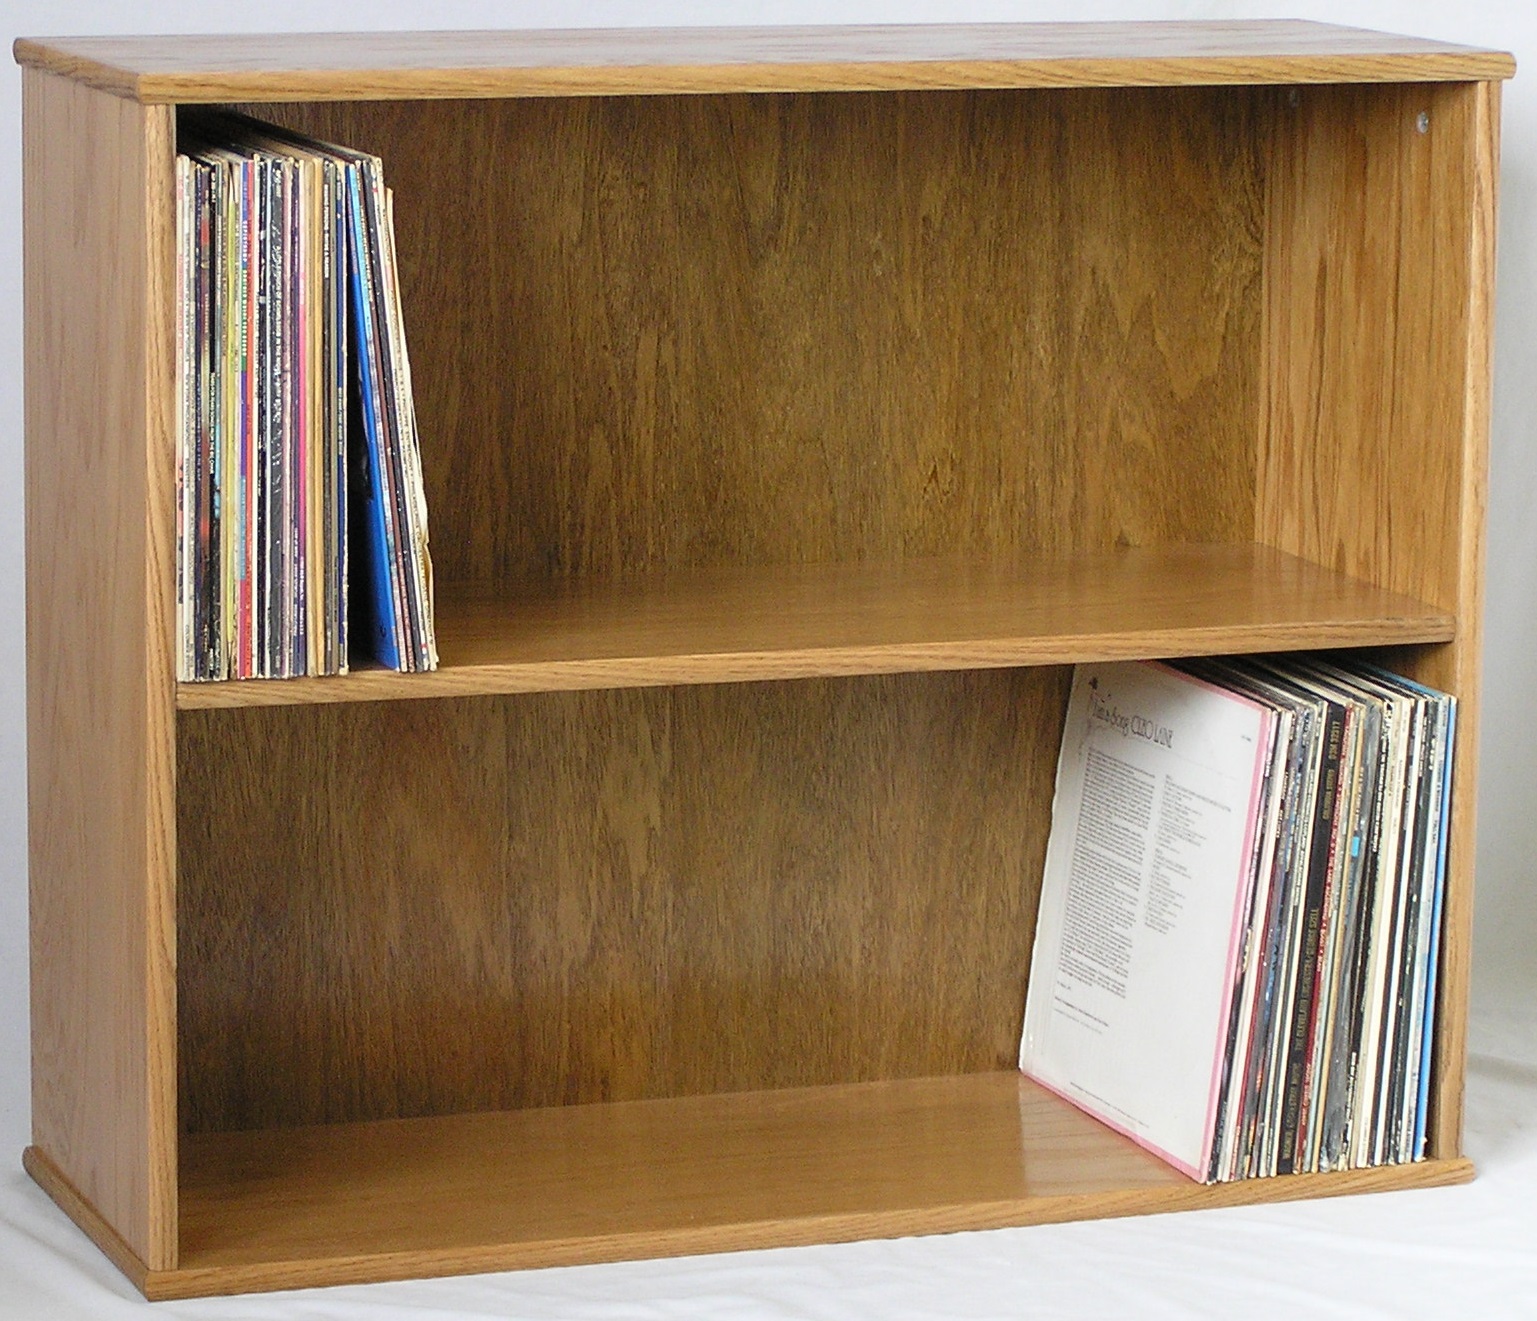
1411	1255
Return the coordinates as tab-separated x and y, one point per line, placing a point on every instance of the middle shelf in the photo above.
795	621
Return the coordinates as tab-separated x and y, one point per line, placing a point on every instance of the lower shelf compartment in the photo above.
462	1194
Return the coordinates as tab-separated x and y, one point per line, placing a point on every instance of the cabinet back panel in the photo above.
686	331
428	907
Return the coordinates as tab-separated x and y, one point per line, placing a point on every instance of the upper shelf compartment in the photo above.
639	61
752	623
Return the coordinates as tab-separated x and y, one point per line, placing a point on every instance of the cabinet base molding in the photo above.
53	1181
571	1185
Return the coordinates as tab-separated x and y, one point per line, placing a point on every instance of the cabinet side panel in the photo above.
100	562
428	907
1459	668
674	332
1375	406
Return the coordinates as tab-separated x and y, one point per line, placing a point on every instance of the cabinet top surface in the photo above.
630	61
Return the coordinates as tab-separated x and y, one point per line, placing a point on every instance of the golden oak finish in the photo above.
812	436
1373	445
631	61
100	698
413	908
56	1184
1362	439
731	625
705	332
1460	668
468	1193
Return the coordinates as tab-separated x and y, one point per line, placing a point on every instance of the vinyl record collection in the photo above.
302	519
1328	1052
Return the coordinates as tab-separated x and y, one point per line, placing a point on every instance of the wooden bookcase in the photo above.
798	406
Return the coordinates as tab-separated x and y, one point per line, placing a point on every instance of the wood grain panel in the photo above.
1460	668
1374	430
686	332
416	908
470	1193
715	378
78	1208
740	624
658	60
1366	337
100	692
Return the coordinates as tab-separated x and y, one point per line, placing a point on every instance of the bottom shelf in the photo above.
481	1192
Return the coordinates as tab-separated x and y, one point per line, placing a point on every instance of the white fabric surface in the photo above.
1447	1252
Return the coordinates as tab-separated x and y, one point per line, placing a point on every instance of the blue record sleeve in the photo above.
371	606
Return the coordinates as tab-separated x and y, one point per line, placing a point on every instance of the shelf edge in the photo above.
832	662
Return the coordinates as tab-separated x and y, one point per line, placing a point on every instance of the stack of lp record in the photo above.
1235	962
302	522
